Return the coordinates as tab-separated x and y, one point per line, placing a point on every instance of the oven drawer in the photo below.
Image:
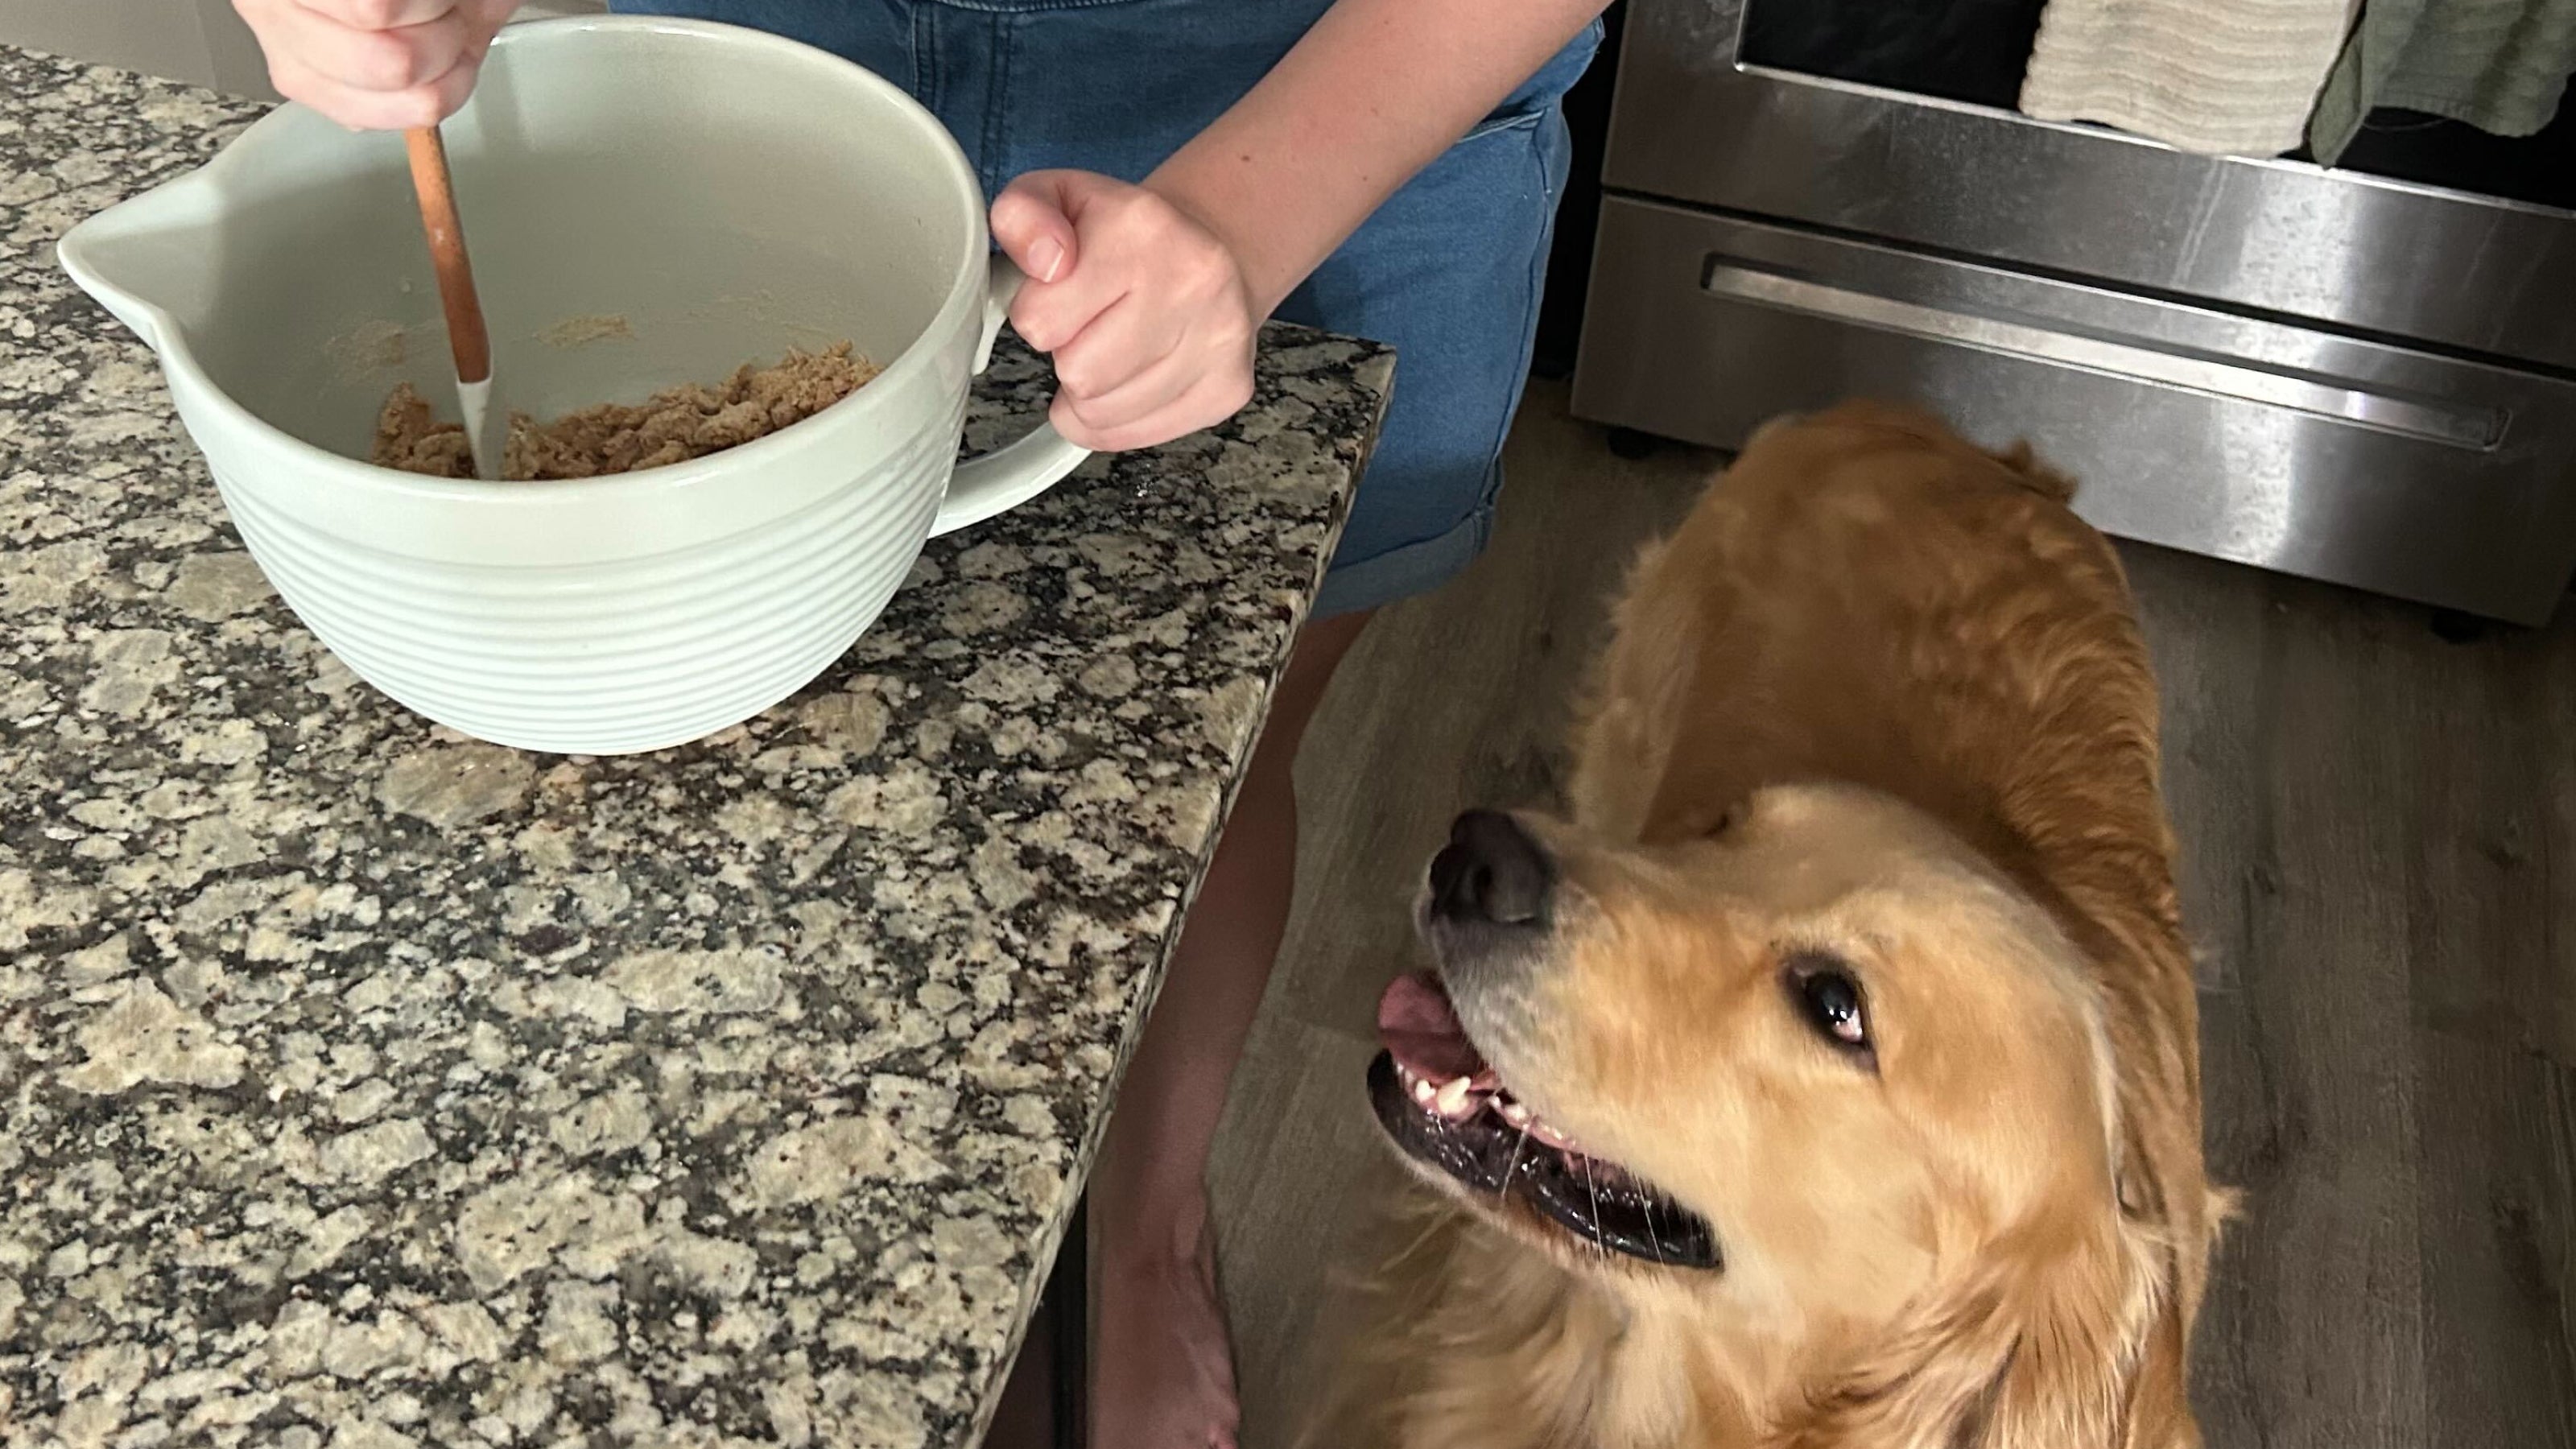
2244	438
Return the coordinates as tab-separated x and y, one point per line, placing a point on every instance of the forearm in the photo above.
1369	97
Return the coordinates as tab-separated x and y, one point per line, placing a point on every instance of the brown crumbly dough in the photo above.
678	424
582	331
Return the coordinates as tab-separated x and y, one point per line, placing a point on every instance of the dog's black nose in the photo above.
1491	872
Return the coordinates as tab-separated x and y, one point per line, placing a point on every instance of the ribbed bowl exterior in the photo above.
603	615
610	656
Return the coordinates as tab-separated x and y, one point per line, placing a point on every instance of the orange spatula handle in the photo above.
465	334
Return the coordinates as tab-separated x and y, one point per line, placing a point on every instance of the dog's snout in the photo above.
1491	872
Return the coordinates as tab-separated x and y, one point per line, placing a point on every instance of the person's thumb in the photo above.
1033	223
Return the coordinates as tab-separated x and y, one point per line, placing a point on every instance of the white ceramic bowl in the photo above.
648	202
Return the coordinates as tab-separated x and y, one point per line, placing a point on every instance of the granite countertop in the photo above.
364	1086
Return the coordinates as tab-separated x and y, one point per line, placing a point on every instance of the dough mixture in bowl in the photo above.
675	425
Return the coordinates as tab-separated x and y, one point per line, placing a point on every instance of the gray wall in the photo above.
199	41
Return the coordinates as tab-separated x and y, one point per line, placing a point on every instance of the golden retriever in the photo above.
1831	1077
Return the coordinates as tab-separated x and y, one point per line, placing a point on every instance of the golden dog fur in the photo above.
1884	691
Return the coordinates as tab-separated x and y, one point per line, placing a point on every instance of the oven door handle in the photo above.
2060	343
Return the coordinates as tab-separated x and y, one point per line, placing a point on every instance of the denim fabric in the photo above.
1448	272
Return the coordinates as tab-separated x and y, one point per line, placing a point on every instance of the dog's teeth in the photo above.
1515	1113
1551	1136
1423	1091
1452	1098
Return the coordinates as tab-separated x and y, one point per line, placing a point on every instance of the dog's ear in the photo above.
2023	462
2075	1344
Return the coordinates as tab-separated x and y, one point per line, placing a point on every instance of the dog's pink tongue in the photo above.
1415	1023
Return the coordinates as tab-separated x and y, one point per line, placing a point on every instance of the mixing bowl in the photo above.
649	202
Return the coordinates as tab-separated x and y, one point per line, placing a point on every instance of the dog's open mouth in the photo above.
1446	1108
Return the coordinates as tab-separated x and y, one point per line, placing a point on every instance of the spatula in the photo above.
486	427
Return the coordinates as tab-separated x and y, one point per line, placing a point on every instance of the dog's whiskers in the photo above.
1594	1188
1503	1188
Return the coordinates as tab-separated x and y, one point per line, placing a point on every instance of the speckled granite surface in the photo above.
362	1087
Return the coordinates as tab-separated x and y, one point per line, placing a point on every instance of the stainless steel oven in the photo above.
2366	374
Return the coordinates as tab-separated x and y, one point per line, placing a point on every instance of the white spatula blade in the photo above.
487	429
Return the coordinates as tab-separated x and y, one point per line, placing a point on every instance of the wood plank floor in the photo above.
2380	828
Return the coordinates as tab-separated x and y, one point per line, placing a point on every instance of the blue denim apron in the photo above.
1448	271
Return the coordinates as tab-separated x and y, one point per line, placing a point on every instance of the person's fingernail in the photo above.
1046	259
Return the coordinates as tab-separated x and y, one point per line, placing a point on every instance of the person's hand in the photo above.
1145	311
377	65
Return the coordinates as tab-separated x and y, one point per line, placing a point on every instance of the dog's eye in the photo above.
1830	1000
1833	1004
